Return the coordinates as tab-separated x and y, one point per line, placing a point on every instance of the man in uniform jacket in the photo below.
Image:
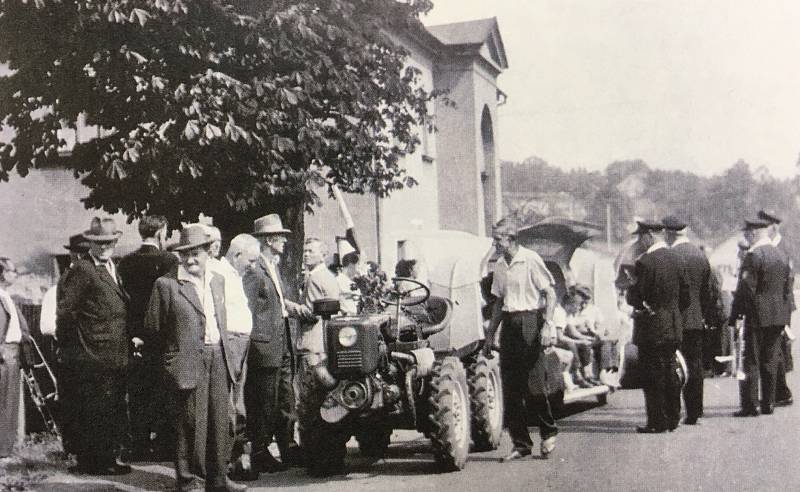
701	309
93	343
762	297
151	413
269	394
783	395
187	314
658	296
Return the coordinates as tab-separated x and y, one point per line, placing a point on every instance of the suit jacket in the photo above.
176	318
764	290
783	247
662	291
701	295
269	339
92	318
139	271
320	283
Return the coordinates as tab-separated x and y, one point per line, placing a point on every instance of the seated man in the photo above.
578	347
590	323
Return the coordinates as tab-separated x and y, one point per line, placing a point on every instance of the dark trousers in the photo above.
692	350
782	391
761	358
9	397
204	435
520	345
151	409
269	399
94	406
662	391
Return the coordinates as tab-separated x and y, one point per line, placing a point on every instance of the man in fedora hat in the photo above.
77	247
762	298
704	308
94	343
658	296
187	314
783	395
269	394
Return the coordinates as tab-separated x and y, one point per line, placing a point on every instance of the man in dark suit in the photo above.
187	314
762	297
93	342
657	296
783	395
150	410
269	394
701	310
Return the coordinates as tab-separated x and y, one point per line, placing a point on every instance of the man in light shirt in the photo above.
13	333
526	298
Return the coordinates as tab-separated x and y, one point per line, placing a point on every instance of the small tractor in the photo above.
417	365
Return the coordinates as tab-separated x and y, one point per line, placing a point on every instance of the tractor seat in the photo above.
430	317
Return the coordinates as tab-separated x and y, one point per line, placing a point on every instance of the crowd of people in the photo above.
218	330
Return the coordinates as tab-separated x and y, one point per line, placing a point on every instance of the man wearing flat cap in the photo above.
761	297
704	308
783	395
187	315
94	345
658	296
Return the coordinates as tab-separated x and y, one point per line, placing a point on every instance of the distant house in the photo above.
457	166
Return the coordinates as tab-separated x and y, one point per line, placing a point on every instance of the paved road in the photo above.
597	450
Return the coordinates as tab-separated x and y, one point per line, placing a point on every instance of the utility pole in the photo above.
608	226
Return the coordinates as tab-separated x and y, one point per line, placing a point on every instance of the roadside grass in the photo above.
39	457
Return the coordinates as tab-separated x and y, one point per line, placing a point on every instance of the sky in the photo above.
690	85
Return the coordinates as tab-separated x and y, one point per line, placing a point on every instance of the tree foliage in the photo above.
230	108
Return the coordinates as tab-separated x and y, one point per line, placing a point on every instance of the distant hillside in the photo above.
714	207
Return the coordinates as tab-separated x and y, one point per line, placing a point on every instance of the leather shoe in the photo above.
229	486
767	409
547	447
746	413
649	430
265	462
96	469
515	455
784	403
242	475
690	421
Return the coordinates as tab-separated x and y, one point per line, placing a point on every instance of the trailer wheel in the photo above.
486	399
449	414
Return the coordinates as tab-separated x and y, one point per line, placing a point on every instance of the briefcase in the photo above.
545	378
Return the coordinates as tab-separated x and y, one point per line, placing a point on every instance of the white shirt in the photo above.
680	240
239	318
110	267
203	290
764	241
13	331
656	246
273	274
520	283
47	321
777	239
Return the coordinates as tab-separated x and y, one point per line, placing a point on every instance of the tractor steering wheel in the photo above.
406	297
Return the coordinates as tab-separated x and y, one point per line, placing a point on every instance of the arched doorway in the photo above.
488	175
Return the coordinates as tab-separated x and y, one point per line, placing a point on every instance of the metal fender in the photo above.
425	359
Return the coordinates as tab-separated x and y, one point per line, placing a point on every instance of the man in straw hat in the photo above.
658	296
200	369
526	299
269	394
762	297
93	340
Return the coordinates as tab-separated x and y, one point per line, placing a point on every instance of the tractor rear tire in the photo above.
486	398
324	444
449	414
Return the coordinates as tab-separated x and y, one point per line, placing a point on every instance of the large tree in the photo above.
231	108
